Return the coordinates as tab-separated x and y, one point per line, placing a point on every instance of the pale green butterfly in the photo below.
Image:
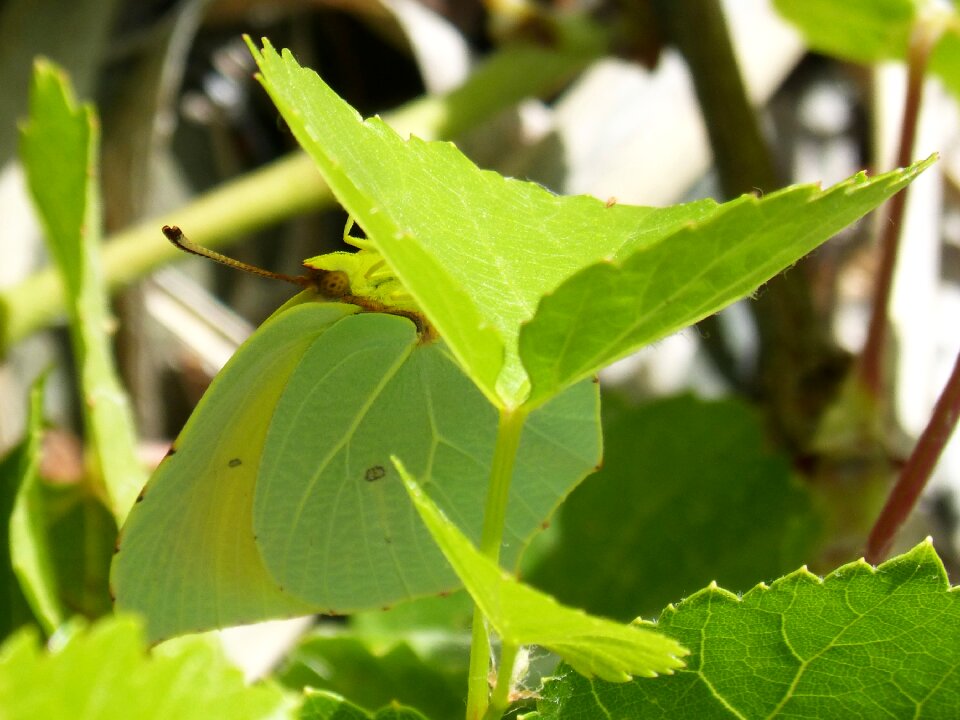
278	498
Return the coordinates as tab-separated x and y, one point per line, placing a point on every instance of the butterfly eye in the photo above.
334	284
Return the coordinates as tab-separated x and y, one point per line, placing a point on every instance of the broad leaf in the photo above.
860	643
476	250
324	705
648	291
689	493
59	149
104	672
524	616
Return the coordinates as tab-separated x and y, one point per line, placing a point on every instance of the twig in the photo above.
918	469
872	358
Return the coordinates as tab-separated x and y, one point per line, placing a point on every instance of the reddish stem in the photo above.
871	363
918	469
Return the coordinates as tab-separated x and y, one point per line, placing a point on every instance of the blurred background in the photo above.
673	101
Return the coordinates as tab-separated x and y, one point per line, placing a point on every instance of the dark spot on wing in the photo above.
235	462
171	451
374	473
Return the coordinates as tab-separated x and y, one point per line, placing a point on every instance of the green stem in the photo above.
509	430
477	697
500	700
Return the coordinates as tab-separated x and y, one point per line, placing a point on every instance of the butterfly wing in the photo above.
186	558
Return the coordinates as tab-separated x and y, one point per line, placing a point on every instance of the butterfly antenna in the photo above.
175	235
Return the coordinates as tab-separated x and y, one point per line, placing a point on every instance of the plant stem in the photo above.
918	469
743	159
500	700
509	430
871	363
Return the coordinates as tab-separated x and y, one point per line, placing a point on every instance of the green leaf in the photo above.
860	643
524	616
865	31
611	308
375	673
870	31
82	533
104	672
15	611
59	147
476	250
689	493
323	705
280	499
31	554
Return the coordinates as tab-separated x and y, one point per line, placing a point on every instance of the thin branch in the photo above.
918	469
872	358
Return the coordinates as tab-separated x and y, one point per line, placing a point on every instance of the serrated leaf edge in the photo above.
923	553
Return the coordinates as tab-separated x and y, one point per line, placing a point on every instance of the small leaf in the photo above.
324	705
30	552
104	672
59	147
524	616
612	308
860	643
15	611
